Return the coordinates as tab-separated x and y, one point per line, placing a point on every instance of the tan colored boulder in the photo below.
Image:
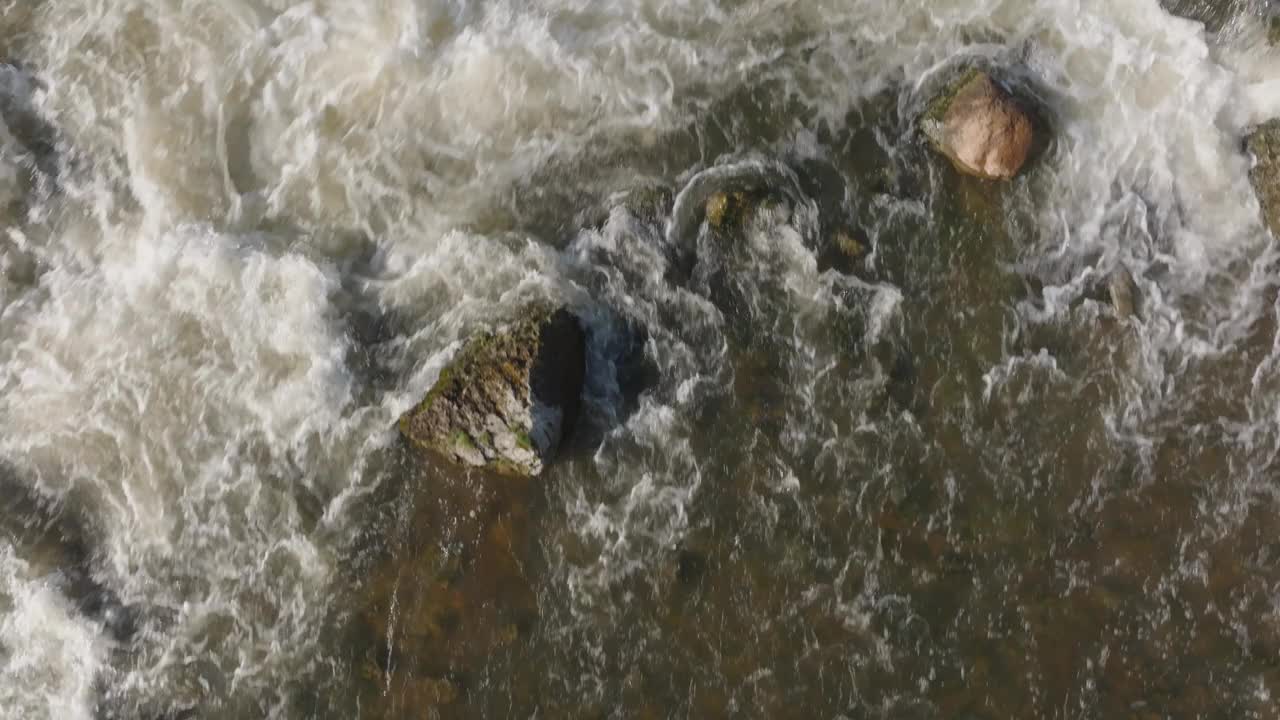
981	128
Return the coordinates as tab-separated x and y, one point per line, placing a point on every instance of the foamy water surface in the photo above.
238	238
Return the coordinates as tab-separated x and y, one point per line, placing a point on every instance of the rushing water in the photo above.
941	479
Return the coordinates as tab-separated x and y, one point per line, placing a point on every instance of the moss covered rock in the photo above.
980	127
728	210
509	398
1264	145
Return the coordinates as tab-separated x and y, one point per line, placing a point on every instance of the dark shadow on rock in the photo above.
619	371
559	374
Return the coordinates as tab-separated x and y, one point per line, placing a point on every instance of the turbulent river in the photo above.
937	478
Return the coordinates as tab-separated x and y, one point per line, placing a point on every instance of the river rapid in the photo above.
939	478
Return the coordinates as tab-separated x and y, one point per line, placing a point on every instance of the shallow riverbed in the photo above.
885	451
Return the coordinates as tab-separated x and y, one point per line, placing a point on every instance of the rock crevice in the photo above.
1264	145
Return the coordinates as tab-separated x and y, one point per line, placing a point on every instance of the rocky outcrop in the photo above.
980	127
509	398
1124	293
727	209
1264	145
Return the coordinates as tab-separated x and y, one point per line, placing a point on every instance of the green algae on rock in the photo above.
1264	144
509	398
980	127
726	210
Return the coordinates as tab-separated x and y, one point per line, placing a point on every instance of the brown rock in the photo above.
981	128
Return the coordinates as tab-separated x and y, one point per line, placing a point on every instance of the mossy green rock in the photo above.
728	210
509	398
1264	145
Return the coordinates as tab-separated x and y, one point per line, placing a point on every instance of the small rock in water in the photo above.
1124	293
1264	145
849	246
980	127
509	398
726	209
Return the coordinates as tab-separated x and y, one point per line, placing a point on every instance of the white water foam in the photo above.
174	328
51	657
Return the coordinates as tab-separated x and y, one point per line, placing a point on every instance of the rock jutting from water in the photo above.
1264	145
727	209
509	398
980	127
1124	293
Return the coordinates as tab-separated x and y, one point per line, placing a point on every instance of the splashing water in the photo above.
938	478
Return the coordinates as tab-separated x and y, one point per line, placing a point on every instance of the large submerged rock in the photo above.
1264	145
980	127
509	398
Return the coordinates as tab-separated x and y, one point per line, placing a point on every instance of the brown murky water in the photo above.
882	450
